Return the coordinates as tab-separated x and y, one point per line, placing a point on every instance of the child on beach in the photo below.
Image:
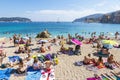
48	65
36	64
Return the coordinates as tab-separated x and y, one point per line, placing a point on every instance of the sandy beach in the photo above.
65	70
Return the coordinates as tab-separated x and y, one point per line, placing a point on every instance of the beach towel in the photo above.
104	78
93	78
5	74
101	66
91	67
111	66
47	75
33	74
14	58
117	78
41	58
48	57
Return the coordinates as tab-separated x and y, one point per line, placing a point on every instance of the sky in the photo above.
53	10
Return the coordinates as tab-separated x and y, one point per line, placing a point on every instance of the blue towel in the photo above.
118	78
33	74
5	74
14	58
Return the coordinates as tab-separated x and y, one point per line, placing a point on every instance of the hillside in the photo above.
113	18
14	19
90	18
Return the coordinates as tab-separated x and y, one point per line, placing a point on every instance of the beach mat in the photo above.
47	75
93	78
33	74
5	74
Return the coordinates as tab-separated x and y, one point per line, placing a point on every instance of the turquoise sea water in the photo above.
62	28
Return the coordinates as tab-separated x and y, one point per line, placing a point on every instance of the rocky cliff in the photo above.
113	18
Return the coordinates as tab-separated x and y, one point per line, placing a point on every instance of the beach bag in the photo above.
3	66
48	57
56	61
41	58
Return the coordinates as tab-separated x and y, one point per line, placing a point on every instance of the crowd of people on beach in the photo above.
42	61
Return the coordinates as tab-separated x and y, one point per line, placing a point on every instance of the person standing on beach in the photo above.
116	35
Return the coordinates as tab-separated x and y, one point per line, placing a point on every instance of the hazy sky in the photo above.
51	10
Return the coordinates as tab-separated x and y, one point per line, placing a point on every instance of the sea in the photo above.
8	29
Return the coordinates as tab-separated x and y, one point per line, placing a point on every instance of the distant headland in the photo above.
113	18
14	19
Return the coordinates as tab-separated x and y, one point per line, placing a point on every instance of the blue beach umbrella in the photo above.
108	46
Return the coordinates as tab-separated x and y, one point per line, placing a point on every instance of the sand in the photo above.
65	70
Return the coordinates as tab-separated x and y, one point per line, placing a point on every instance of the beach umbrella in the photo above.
111	42
26	38
108	46
40	41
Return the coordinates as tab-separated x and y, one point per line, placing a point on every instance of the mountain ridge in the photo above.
112	17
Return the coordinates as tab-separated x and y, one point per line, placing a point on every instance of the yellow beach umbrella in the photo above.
111	42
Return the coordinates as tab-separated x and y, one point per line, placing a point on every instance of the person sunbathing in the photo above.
42	49
88	59
20	50
21	67
36	64
21	41
105	51
62	49
27	50
111	60
2	55
99	61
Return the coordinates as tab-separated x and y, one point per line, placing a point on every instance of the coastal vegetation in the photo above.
14	19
